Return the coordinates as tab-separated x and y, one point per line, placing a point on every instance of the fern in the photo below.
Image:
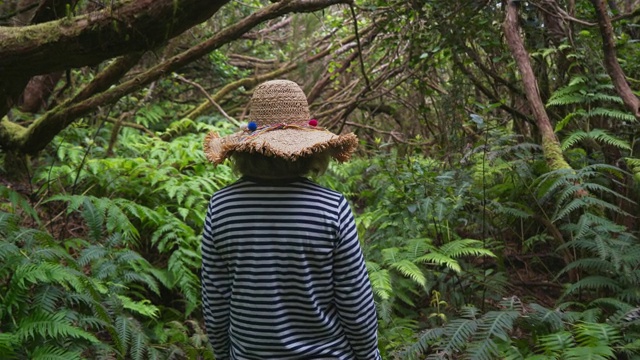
54	353
596	334
144	307
551	319
7	344
557	342
380	280
589	353
410	270
594	283
474	335
43	325
18	203
459	332
497	324
598	135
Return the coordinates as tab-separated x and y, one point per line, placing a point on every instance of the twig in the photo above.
130	125
355	28
19	11
393	134
563	15
213	102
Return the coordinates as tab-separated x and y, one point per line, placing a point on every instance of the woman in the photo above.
283	275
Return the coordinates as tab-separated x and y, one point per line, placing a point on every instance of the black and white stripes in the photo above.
283	275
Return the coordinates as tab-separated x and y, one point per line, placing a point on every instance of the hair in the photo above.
269	167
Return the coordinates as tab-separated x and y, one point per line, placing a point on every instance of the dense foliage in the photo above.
477	246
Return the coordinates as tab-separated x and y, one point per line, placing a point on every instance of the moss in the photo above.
11	134
39	34
553	154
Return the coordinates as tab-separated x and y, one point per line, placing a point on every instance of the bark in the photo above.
550	144
130	26
51	46
40	87
44	129
107	77
611	61
37	92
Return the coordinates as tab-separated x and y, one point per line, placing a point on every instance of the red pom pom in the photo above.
313	122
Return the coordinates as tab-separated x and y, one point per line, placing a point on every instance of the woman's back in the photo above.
286	276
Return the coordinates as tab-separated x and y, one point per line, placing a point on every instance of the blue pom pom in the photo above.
252	126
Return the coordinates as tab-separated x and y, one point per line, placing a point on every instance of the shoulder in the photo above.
321	190
230	190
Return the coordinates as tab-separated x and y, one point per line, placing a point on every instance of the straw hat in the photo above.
280	126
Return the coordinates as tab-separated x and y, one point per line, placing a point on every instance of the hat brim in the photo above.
289	144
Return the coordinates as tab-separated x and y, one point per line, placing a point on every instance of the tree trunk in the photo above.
550	144
611	61
37	92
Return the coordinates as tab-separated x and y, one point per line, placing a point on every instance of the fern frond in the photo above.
380	280
8	250
54	353
425	340
612	113
139	344
55	325
514	211
9	224
482	350
458	333
124	329
418	246
605	98
469	312
118	222
49	273
94	219
566	100
391	255
584	202
440	259
141	277
497	324
454	246
410	270
556	342
47	298
471	251
589	353
19	203
594	282
144	307
8	342
598	135
596	334
553	318
562	123
597	265
92	253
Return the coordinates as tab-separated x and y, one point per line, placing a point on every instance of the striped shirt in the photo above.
283	276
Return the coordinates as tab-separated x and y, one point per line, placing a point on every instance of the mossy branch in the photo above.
41	132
